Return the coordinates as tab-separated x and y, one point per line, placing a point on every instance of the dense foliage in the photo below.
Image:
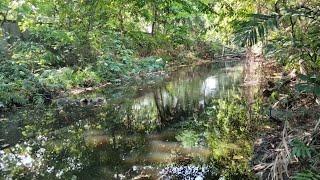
67	44
288	32
48	47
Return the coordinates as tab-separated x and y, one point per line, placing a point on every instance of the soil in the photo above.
272	157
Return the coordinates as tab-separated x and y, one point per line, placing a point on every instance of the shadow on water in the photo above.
138	132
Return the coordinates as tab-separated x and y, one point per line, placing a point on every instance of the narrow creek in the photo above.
149	131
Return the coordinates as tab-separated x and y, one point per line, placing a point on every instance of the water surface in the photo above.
138	131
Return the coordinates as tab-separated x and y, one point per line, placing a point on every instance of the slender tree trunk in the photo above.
277	10
155	18
293	36
121	19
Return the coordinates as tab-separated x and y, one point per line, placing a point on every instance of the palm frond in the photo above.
254	29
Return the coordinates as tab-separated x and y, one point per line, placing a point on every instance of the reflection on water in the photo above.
146	126
210	86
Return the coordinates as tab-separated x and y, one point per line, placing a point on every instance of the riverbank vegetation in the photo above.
288	35
49	48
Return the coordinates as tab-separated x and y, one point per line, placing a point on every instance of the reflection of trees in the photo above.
167	108
225	127
64	153
161	108
62	132
173	106
183	97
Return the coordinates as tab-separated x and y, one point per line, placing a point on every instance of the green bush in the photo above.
108	68
86	78
34	55
17	84
151	64
52	36
231	116
67	78
111	69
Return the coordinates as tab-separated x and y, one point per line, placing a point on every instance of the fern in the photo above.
300	149
310	85
307	175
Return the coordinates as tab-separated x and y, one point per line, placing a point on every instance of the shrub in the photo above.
17	84
66	78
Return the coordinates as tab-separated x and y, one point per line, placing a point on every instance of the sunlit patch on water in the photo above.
210	86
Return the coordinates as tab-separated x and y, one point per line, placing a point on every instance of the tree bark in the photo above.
11	31
155	18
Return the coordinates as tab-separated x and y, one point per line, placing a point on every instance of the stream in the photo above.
149	130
